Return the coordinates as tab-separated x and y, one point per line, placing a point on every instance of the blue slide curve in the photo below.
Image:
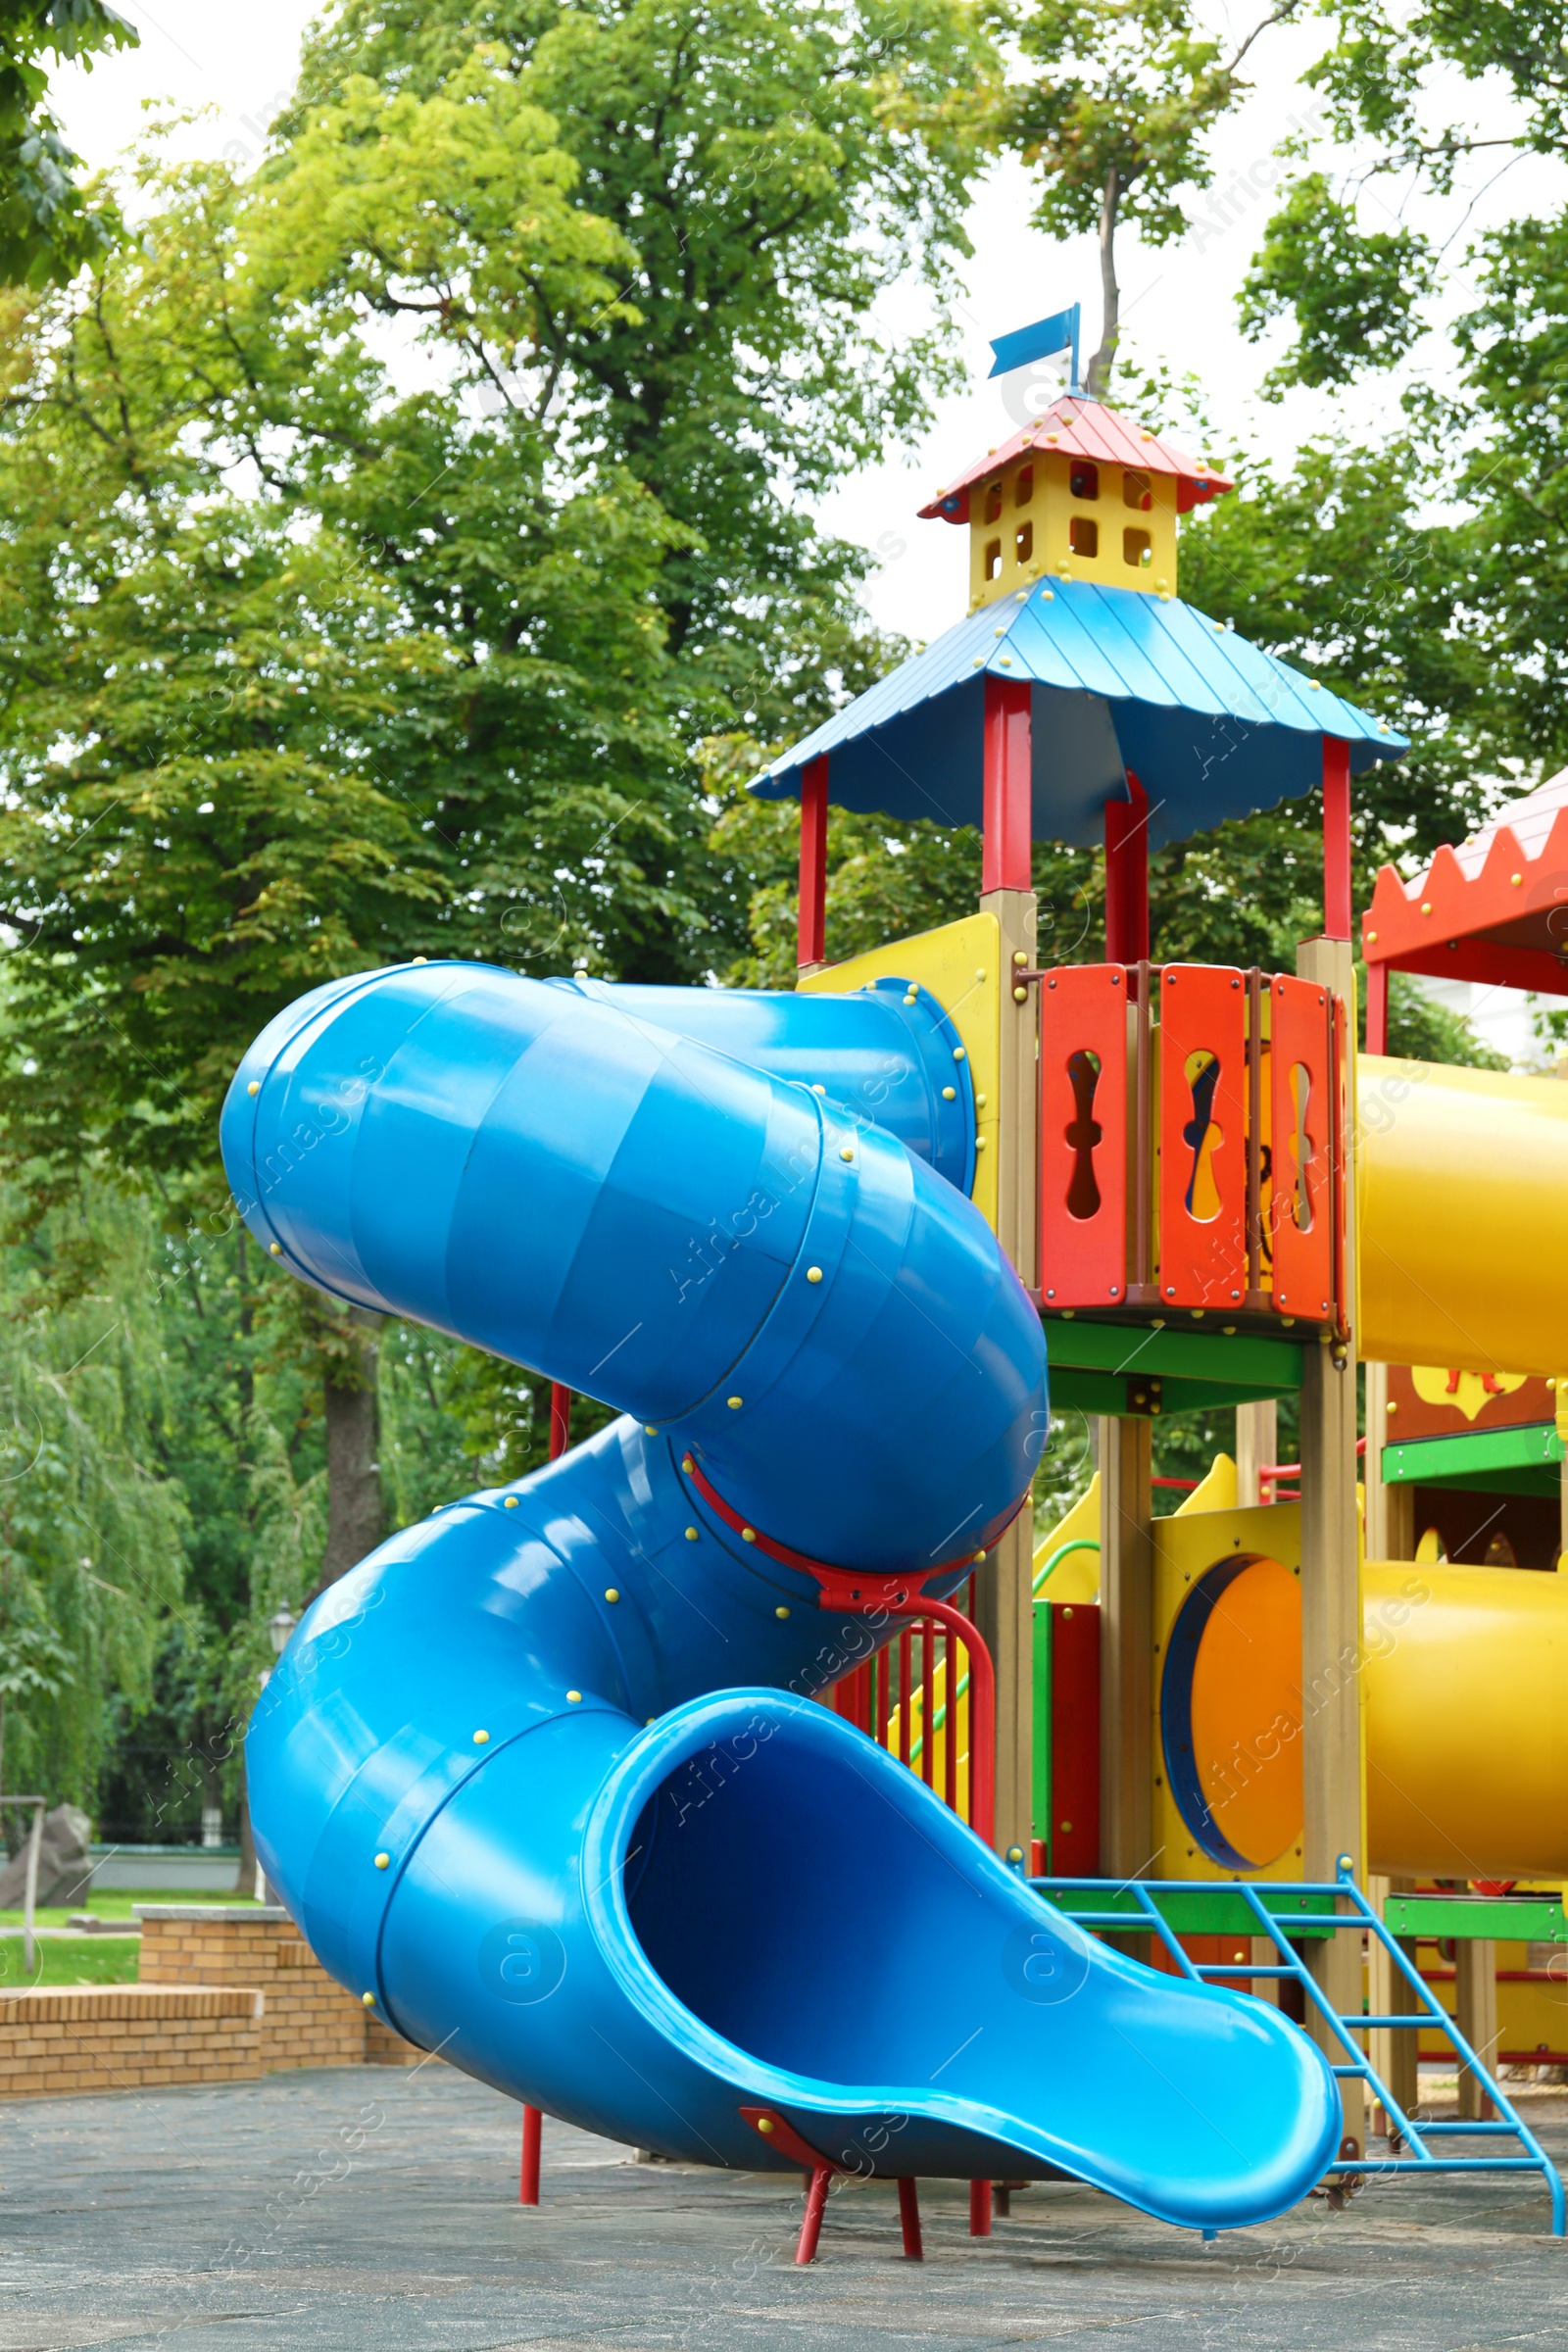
545	1775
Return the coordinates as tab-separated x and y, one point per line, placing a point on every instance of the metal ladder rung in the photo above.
1435	2164
1492	2129
1363	2069
1237	1968
1365	2024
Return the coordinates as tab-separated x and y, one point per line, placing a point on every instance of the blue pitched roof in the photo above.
1210	725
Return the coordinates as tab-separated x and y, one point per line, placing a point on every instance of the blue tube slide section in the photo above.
544	1777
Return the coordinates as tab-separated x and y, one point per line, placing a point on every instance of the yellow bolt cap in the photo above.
573	1699
781	1612
255	1086
611	1593
814	1273
734	1403
481	1738
748	1534
691	1535
383	1861
847	1151
510	1503
765	2123
957	1054
276	1248
368	1998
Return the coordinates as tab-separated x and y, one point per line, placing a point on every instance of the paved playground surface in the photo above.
373	2210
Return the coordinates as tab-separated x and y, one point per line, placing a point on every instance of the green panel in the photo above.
1201	1910
1107	1393
1548	1483
1507	1919
1269	1367
1040	1778
1473	1457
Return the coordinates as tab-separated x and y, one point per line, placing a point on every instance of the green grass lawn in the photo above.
101	1960
115	1902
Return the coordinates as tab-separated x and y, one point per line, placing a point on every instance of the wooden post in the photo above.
1330	1596
1476	2009
1257	1444
812	930
1396	2055
1003	1598
1126	1649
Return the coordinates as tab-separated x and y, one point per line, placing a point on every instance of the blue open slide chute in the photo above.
546	1775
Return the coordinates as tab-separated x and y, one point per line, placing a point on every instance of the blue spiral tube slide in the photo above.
546	1777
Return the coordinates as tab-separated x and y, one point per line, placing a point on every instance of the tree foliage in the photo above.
48	226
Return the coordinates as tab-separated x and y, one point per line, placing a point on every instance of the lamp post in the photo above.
280	1626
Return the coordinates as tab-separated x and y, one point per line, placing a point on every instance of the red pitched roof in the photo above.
1495	910
1086	428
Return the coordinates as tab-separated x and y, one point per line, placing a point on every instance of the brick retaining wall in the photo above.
127	2037
224	1992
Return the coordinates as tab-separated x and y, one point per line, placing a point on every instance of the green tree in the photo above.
771	173
1116	120
48	226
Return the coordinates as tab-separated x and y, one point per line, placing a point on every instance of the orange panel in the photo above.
1304	1118
1203	1135
1247	1713
1083	1136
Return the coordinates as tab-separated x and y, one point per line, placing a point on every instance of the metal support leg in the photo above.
979	2209
1476	2008
529	2193
811	2221
909	2220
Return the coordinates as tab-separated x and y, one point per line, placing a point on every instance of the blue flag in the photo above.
1042	341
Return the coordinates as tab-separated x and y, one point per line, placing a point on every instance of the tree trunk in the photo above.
354	1520
1101	364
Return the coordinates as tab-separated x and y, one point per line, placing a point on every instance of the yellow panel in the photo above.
1214	1493
961	965
1186	1546
1000	564
1462	1226
1077	1577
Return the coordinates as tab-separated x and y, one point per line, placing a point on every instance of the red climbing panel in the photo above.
1083	1136
1202	1137
1303	1134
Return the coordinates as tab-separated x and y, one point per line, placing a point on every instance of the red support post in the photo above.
1127	876
979	2209
811	2222
1377	1007
559	1420
529	2193
909	2220
1336	837
812	936
1009	786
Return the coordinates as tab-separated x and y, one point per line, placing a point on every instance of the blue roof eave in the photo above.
1213	726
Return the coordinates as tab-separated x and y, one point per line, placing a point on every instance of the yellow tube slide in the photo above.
1462	1217
1466	1725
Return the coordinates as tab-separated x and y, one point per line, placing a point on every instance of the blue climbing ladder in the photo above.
1277	1909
